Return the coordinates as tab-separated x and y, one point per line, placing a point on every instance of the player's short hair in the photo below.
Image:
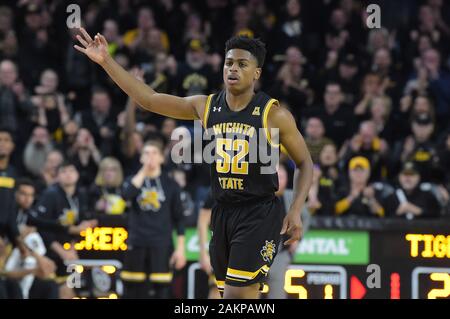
255	46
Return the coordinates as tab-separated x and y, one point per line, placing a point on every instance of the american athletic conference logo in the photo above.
268	251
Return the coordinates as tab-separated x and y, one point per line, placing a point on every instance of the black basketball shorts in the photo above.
244	241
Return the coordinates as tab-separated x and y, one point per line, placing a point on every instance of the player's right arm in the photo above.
183	108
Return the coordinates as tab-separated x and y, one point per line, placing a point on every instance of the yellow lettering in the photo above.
414	239
295	289
448	246
440	246
443	292
119	237
230	183
427	250
328	292
105	239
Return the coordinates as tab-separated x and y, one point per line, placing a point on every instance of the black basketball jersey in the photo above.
245	158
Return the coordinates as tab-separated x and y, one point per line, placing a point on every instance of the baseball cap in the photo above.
196	45
409	168
359	162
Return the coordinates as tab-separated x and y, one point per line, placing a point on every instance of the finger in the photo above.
97	40
295	235
79	48
289	241
103	39
86	35
285	226
82	41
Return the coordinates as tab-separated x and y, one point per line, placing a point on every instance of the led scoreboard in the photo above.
336	259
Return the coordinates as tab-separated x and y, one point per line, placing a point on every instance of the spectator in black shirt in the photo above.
412	200
367	143
99	120
195	76
347	75
358	197
336	117
51	108
291	85
8	175
37	50
322	194
155	211
16	107
430	75
63	211
86	157
315	138
419	147
39	285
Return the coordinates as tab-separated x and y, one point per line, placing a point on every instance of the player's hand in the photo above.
96	49
205	263
292	226
178	259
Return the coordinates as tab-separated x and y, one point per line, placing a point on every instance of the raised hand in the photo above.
96	50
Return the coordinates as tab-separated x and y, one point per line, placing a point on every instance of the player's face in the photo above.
240	70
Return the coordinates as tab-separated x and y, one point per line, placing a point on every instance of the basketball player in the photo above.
247	218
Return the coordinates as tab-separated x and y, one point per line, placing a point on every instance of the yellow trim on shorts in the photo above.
241	275
206	111
161	277
220	284
267	108
132	276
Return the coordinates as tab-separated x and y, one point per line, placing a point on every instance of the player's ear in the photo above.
257	74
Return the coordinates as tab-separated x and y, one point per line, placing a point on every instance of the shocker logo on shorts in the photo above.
268	251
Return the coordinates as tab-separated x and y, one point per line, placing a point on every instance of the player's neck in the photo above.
153	173
240	101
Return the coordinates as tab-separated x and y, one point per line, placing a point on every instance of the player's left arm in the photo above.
292	142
